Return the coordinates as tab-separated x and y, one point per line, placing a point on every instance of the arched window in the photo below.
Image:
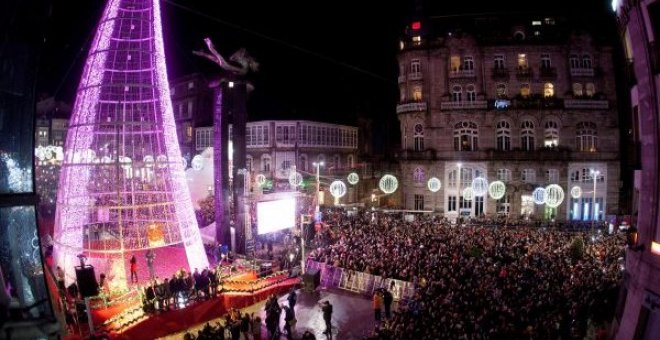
500	90
470	93
503	136
551	134
302	163
586	138
525	90
456	93
527	135
590	90
586	61
336	162
573	61
418	137
418	175
577	90
504	175
265	163
466	136
548	90
351	162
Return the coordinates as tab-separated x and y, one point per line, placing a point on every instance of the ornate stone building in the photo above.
521	100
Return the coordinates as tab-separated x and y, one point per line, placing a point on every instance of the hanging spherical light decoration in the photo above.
434	184
161	160
337	189
576	192
479	186
260	179
388	184
554	195
539	195
148	161
468	194
106	159
125	162
40	153
197	162
295	178
353	178
59	153
496	190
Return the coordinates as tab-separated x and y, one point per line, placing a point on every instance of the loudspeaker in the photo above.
312	279
87	284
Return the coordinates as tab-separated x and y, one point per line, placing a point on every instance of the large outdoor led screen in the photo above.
276	215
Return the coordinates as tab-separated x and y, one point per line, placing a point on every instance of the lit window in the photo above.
590	89
586	138
500	90
455	63
419	175
417	93
549	21
536	23
524	90
522	60
466	136
417	39
548	90
577	90
551	134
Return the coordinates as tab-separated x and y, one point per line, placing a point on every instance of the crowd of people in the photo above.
475	282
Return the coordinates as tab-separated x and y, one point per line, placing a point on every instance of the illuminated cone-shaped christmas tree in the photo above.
122	185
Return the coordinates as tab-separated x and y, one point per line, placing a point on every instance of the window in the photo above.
191	85
503	136
466	136
528	175
265	163
577	90
498	62
545	61
551	134
451	203
419	202
586	138
548	90
522	61
189	114
524	90
456	93
336	162
248	163
478	205
573	61
415	67
504	175
527	135
552	176
351	161
500	90
418	137
470	93
417	93
503	205
586	61
302	162
320	159
536	23
590	89
468	63
419	176
549	21
455	63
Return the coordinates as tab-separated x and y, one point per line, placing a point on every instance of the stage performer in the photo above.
134	269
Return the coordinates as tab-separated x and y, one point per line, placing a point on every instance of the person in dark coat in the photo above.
326	308
387	302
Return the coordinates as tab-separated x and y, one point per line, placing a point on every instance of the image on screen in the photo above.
276	215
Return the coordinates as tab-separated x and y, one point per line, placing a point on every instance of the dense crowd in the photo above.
476	282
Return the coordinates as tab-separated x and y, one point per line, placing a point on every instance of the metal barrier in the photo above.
359	282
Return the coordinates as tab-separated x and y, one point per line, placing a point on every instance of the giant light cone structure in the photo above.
122	186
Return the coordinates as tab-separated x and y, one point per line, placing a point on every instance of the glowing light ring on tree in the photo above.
260	179
539	195
576	192
148	161
126	162
468	194
162	161
197	163
40	153
496	190
353	178
338	189
295	178
554	195
388	184
434	184
479	186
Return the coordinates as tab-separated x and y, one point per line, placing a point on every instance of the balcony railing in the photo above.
411	107
524	72
402	79
541	154
587	104
500	73
461	73
464	105
582	72
548	73
415	76
427	154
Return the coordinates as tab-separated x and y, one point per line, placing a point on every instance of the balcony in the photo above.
582	72
411	107
523	72
460	73
535	102
500	73
586	104
464	105
415	76
402	79
548	73
541	154
412	155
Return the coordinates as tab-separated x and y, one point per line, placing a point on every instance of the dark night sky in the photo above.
349	67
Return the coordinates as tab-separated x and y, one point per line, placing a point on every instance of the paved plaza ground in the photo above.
352	316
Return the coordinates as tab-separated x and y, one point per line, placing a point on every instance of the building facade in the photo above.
276	147
191	101
52	122
523	101
638	313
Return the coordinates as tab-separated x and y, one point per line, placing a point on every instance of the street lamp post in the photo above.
458	186
594	175
317	214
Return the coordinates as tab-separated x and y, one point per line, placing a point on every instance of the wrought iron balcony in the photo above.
582	72
461	73
500	73
428	154
523	72
415	76
548	73
464	105
411	107
586	104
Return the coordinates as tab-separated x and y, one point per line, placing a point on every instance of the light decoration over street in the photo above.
260	179
468	194
496	190
197	163
338	189
554	195
434	184
353	178
295	178
479	186
388	184
576	192
539	195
